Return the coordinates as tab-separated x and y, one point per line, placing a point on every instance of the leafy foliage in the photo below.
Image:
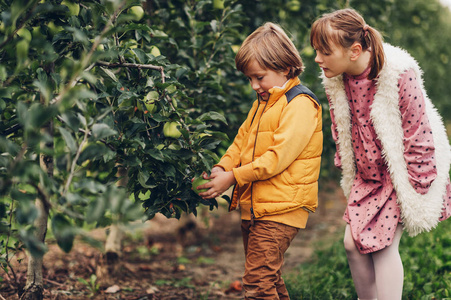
86	87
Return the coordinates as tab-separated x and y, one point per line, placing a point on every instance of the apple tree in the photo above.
107	112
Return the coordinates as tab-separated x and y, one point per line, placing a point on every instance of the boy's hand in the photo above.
220	182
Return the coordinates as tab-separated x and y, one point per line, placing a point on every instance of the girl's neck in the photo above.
360	65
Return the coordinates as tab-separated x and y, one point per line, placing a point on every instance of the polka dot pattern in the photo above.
372	210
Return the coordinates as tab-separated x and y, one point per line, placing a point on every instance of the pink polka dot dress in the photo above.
372	210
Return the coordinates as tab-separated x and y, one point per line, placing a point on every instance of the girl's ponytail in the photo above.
374	42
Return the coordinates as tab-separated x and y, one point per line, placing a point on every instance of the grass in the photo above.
427	269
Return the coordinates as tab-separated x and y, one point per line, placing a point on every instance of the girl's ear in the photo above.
356	50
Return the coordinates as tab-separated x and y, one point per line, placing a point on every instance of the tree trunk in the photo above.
111	260
34	288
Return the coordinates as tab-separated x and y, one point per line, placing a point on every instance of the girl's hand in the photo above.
220	182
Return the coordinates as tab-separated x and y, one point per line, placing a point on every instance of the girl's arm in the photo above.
419	150
334	131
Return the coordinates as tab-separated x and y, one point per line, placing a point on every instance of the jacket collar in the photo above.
278	91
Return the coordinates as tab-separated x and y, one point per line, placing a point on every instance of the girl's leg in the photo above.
389	270
362	269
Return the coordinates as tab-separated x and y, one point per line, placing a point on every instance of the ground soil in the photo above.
195	258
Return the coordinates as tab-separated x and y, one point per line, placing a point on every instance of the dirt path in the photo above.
201	260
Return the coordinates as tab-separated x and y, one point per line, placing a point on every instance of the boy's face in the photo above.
262	80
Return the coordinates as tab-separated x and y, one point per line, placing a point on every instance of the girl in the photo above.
391	146
273	161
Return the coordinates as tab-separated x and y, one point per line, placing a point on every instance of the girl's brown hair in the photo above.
343	28
270	46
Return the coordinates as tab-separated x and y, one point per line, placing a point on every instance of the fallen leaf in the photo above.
113	289
236	286
152	290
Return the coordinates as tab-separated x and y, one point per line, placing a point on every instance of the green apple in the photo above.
199	181
137	12
171	89
150	106
308	51
53	28
235	48
218	4
24	33
22	48
150	99
74	8
294	5
155	51
282	14
36	32
174	146
170	130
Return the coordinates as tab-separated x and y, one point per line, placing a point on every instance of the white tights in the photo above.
378	275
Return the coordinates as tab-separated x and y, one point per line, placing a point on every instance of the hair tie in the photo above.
365	29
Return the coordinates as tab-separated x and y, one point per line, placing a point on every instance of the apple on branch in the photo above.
137	12
170	130
74	8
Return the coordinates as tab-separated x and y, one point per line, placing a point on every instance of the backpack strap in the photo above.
300	89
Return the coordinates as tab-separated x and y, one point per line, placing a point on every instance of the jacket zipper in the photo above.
253	155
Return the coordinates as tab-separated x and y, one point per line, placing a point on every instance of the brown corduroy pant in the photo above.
265	244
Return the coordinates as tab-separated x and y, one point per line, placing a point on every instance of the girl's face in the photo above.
262	80
334	63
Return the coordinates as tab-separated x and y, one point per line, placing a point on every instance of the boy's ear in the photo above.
356	50
286	72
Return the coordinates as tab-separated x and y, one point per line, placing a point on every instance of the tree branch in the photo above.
12	129
74	162
130	65
26	18
86	61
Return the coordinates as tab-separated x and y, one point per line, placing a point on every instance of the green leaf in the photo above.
102	130
142	178
35	247
63	231
94	151
70	141
26	212
212	115
96	210
109	73
20	195
132	211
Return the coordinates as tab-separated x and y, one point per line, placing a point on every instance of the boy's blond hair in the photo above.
270	46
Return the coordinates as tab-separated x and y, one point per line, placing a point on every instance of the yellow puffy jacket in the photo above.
276	158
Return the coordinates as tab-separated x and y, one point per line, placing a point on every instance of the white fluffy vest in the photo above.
418	212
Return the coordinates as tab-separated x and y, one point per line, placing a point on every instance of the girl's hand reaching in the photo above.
220	181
